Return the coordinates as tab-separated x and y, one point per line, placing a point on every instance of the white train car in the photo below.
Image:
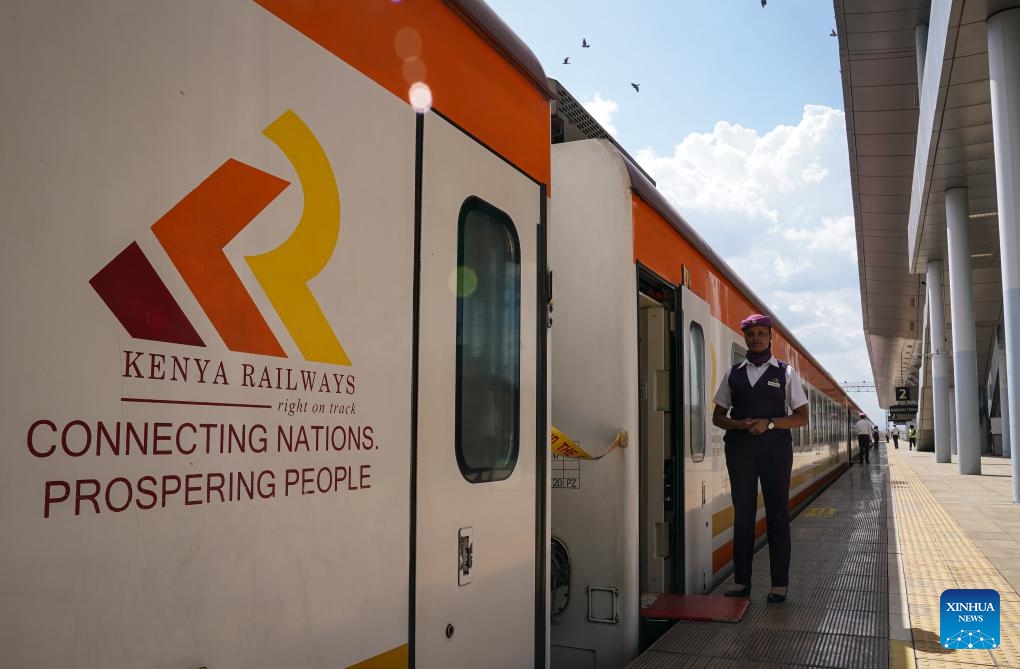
274	335
645	323
277	354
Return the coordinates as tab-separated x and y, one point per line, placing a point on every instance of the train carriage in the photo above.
253	413
645	323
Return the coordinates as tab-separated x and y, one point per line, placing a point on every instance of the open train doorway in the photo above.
661	531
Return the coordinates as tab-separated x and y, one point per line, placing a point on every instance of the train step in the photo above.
708	608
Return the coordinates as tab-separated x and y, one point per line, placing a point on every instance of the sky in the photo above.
739	119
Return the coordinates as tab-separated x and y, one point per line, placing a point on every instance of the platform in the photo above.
871	557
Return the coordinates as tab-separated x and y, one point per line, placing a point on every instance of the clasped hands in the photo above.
755	426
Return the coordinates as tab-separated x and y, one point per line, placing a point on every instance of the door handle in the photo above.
465	555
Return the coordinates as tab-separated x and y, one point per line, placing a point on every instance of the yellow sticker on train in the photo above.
565	447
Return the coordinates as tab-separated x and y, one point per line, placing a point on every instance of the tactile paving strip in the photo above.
936	555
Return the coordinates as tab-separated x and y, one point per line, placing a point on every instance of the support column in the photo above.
951	401
939	364
1004	82
924	371
961	299
1007	449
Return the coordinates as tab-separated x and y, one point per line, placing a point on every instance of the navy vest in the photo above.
766	399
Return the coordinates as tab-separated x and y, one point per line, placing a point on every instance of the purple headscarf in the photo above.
761	358
755	319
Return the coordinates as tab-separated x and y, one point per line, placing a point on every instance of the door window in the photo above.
696	371
488	285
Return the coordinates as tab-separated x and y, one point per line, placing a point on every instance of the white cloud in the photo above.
713	172
835	234
734	170
814	173
777	207
602	110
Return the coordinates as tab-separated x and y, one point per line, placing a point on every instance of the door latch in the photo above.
465	555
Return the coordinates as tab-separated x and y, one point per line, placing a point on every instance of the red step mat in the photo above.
674	606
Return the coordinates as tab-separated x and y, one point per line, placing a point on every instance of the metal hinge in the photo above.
548	299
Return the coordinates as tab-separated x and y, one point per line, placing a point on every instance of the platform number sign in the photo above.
903	394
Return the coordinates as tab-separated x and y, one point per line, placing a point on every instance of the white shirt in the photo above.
795	396
864	426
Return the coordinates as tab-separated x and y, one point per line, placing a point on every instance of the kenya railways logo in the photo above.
195	231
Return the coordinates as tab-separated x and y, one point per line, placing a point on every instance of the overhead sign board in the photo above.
904	393
903	412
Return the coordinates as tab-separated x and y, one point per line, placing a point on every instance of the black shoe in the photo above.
775	598
741	592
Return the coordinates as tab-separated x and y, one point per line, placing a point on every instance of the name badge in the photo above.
774	383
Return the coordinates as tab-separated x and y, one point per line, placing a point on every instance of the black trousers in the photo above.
864	441
772	464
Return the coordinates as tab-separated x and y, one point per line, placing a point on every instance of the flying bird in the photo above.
833	33
584	43
763	2
566	61
636	86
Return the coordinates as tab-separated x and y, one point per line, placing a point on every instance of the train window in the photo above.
696	371
823	418
823	408
488	394
813	432
737	354
817	403
832	421
829	430
819	419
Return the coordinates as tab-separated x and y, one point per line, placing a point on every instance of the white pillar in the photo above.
921	46
961	299
1004	82
951	401
924	372
939	364
1007	450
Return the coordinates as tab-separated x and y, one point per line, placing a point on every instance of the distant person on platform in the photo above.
863	427
912	436
874	436
765	400
896	437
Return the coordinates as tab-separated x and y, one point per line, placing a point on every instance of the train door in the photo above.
659	551
697	464
475	599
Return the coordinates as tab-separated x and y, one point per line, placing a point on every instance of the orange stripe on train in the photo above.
399	44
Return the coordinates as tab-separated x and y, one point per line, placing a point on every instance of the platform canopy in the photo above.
908	145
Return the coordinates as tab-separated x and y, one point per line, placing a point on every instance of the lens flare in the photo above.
413	69
420	97
463	281
407	43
